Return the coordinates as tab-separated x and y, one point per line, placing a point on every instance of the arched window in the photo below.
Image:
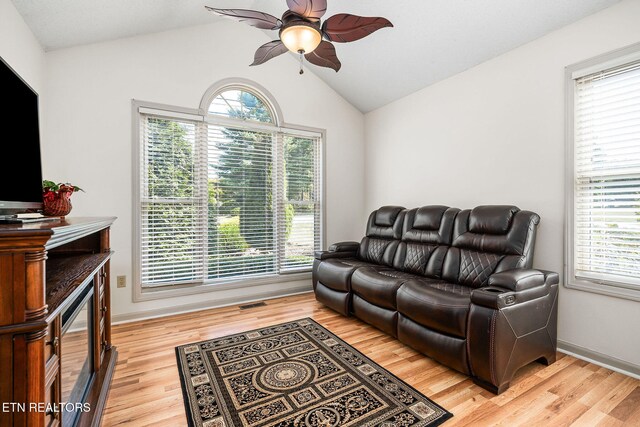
241	104
241	192
241	99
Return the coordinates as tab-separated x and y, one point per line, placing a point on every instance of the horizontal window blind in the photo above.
172	227
223	202
300	201
607	176
242	207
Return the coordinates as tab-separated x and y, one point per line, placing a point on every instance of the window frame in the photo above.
200	114
619	289
243	85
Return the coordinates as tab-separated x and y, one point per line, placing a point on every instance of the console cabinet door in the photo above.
52	396
52	344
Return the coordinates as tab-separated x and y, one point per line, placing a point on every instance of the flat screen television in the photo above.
21	167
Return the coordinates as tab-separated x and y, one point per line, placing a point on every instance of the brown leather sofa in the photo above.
456	285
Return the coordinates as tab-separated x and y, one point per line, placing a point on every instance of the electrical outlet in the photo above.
122	281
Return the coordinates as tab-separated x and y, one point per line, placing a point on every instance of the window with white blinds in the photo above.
226	198
606	177
172	232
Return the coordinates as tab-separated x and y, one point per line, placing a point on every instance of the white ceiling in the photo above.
432	39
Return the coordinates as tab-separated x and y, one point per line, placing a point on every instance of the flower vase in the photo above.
57	204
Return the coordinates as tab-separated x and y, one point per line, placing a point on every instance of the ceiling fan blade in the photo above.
269	51
310	9
325	56
344	28
254	18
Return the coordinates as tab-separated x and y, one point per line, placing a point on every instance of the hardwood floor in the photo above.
146	389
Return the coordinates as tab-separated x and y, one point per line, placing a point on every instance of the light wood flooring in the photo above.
146	389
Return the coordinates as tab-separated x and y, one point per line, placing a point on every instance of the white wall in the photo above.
87	124
19	47
495	134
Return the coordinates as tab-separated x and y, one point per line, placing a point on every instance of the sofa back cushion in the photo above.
487	240
426	235
384	230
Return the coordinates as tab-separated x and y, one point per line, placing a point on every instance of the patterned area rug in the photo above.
296	374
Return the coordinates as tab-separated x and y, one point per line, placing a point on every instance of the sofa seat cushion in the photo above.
336	273
379	285
438	305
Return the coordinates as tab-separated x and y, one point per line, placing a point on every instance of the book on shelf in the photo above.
23	215
28	215
40	219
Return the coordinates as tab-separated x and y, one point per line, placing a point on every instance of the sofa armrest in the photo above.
339	250
517	279
513	287
493	297
512	321
550	277
344	247
322	255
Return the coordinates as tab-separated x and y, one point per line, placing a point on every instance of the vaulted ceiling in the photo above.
432	39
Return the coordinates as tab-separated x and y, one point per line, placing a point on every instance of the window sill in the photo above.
163	292
605	289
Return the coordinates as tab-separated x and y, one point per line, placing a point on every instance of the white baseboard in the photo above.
599	359
206	305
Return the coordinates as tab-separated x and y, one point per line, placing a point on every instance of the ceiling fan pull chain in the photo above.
301	52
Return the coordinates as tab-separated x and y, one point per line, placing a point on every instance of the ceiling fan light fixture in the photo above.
300	37
303	32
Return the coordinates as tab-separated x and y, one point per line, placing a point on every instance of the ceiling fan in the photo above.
302	32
